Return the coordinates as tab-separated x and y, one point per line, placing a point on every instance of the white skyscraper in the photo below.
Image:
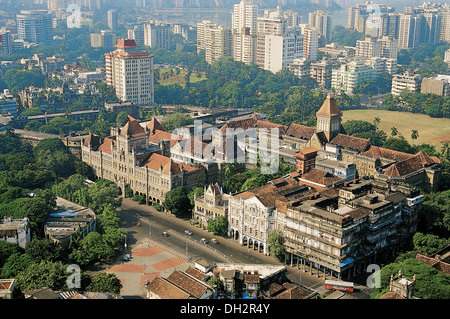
130	72
244	16
310	43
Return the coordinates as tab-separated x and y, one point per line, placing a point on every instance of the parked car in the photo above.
165	234
204	241
188	232
126	257
214	241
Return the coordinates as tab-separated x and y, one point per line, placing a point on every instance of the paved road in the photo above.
142	221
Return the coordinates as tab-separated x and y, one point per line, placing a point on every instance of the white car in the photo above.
188	232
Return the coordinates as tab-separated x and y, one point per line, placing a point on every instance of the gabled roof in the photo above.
270	125
188	284
167	165
329	108
243	123
108	142
154	125
418	161
320	177
351	142
385	153
133	128
93	141
164	289
300	131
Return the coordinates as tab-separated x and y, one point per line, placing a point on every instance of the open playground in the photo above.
434	131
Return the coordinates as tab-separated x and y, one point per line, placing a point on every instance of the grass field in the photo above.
178	78
432	131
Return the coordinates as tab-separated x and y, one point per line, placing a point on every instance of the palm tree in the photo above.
445	150
394	131
414	135
376	121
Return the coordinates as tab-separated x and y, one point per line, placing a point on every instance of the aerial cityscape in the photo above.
224	151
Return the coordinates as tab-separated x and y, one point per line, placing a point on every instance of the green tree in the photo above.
105	282
218	225
44	274
429	244
43	249
276	244
197	191
177	201
414	134
16	263
90	249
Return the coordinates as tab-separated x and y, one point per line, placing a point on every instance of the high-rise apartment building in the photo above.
157	35
368	48
389	24
130	72
272	23
411	30
137	33
280	50
34	26
310	43
322	21
113	19
244	46
445	27
244	16
6	45
56	4
214	39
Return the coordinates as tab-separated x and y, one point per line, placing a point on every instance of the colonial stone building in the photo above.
212	204
127	158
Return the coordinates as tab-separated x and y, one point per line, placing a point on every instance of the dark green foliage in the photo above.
177	201
218	225
430	282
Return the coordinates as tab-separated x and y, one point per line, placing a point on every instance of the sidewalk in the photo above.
147	262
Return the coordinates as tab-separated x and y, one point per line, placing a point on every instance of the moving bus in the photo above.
339	285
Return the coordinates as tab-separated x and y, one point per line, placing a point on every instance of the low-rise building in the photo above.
68	220
341	232
8	104
212	204
406	81
439	85
7	287
16	231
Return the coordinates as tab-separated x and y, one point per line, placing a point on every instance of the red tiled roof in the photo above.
418	161
167	165
164	289
270	125
351	142
243	124
132	127
154	125
159	135
93	141
106	145
318	176
298	130
126	44
188	284
385	153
